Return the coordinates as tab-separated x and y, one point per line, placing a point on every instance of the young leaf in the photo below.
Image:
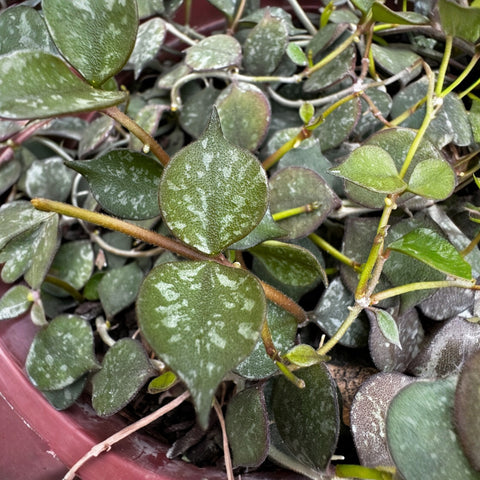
125	369
421	435
14	302
388	326
202	319
40	85
304	355
308	419
431	248
213	53
61	353
291	264
162	383
213	193
296	54
124	183
247	428
432	178
373	168
96	37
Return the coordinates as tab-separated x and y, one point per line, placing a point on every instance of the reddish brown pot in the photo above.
38	442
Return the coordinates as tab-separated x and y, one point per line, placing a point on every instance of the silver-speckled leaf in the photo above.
40	85
213	193
95	37
213	53
202	319
61	353
14	302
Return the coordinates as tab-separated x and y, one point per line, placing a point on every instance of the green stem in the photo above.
469	89
359	471
462	76
321	118
429	114
471	245
285	148
327	247
71	290
292	212
139	132
412	287
444	65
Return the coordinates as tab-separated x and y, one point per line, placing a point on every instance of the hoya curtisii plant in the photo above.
203	316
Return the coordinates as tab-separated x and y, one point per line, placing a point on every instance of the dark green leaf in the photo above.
388	326
119	288
432	179
95	134
61	353
372	168
265	45
291	264
9	174
247	428
95	37
227	7
213	327
40	85
421	436
308	418
213	53
459	21
15	301
245	115
67	396
125	369
123	182
23	28
148	118
213	193
431	248
381	13
363	5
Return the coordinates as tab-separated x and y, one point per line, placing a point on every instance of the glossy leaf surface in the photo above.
40	85
431	248
95	37
421	435
247	428
308	418
61	353
213	193
14	302
124	183
125	369
214	326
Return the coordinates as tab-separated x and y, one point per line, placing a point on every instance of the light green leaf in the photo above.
213	53
304	355
373	168
96	37
388	326
202	319
246	422
119	288
23	28
421	435
459	21
40	85
296	54
213	193
432	249
124	183
15	301
162	383
289	263
61	353
432	178
125	369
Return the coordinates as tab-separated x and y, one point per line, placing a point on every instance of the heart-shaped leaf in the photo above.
40	85
23	28
388	326
95	37
213	193
247	428
201	314
291	264
308	418
213	53
15	301
373	168
125	369
431	248
238	102
459	21
67	396
265	45
119	288
467	409
421	435
95	134
432	179
123	182
61	353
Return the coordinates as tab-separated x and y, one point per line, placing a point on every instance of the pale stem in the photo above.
107	444
102	329
226	448
180	35
301	15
